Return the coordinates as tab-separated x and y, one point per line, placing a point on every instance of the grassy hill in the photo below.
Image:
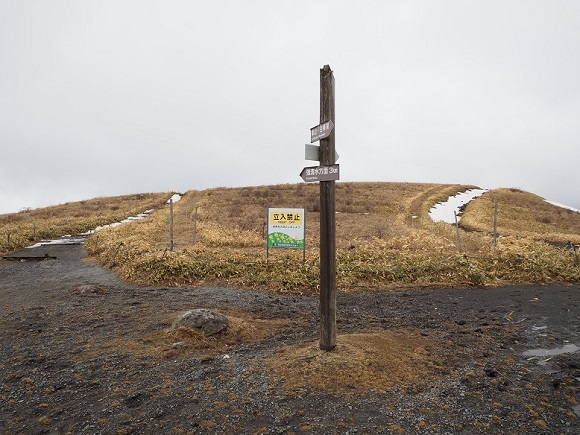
18	230
385	238
219	239
522	214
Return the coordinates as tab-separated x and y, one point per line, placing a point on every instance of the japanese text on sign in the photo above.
321	131
321	170
286	218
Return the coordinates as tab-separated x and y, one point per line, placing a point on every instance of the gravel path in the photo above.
77	356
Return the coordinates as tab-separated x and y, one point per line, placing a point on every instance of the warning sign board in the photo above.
286	227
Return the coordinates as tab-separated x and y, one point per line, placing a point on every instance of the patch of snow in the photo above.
65	240
176	197
140	216
76	240
557	204
445	211
80	239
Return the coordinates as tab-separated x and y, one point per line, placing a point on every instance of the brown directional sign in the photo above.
320	173
321	131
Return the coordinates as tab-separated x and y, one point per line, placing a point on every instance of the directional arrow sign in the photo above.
312	152
321	131
320	173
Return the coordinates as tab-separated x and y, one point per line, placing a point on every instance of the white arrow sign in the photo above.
312	152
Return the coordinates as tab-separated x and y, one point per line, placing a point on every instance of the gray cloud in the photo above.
112	97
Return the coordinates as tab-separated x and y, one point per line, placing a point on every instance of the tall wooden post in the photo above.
327	219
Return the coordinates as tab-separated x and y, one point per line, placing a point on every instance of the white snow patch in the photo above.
64	240
445	211
176	197
69	240
76	240
557	204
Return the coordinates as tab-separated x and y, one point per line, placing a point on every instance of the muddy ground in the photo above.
83	352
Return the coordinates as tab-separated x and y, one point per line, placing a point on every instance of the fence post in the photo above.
457	229
495	225
171	224
195	226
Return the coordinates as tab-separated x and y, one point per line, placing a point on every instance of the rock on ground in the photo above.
206	321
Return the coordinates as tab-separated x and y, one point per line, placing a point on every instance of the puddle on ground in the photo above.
541	353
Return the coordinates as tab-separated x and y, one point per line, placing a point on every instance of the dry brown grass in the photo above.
361	364
236	217
379	245
18	230
184	342
219	238
522	214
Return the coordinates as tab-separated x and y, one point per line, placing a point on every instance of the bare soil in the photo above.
83	352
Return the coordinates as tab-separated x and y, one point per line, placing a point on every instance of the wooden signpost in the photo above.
327	216
327	174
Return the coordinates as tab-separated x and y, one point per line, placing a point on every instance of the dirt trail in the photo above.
79	354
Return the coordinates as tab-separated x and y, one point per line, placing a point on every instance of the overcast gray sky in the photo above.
102	98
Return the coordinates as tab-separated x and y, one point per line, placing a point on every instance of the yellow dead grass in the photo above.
18	230
219	239
384	236
361	364
184	342
522	214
